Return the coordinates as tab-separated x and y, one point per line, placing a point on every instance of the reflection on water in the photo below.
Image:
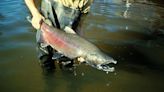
131	31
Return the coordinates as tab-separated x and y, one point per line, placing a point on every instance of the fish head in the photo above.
100	61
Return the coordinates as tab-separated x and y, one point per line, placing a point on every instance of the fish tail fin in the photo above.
40	39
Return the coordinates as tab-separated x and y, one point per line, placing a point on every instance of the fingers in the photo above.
69	30
80	59
36	21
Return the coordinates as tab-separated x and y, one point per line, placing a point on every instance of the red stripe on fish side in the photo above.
51	38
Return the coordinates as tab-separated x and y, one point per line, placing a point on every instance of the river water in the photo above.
132	32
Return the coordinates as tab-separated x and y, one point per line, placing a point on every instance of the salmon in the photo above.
73	46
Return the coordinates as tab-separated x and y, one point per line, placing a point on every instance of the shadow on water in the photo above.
132	32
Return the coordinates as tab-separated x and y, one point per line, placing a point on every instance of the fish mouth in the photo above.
107	66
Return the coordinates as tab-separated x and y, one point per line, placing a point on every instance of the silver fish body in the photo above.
74	46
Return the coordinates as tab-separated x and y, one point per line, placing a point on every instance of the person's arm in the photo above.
36	16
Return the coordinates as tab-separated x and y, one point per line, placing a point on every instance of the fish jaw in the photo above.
100	61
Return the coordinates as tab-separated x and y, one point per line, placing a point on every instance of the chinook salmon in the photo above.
74	46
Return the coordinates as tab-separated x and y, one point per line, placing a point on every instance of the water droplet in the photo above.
82	74
21	56
108	83
107	72
127	27
75	74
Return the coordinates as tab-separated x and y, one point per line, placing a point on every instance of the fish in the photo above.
74	46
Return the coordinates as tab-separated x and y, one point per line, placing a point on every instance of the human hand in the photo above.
36	21
69	30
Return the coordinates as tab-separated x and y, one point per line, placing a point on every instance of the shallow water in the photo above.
132	33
